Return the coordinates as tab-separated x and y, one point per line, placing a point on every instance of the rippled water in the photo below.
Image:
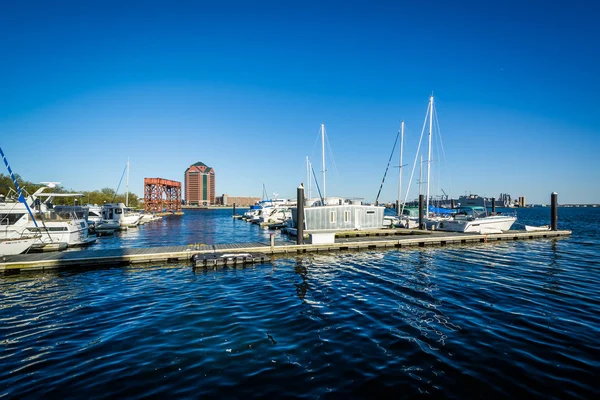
509	319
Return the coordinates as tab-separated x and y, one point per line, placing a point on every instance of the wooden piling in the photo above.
234	209
493	205
421	223
554	211
300	210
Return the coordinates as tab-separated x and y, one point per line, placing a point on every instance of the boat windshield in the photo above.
475	212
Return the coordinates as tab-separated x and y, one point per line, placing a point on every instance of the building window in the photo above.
332	217
346	216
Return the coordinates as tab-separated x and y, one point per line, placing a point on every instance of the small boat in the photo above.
476	220
530	228
121	214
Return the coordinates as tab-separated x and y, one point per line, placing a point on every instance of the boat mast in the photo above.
127	185
429	153
400	170
323	156
420	174
307	178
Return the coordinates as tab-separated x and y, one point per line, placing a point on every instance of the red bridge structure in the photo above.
162	195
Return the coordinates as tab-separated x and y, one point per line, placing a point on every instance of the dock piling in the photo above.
234	209
554	211
421	223
493	205
300	210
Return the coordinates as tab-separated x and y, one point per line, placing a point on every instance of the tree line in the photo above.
99	197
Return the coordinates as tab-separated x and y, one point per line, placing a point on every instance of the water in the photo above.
509	319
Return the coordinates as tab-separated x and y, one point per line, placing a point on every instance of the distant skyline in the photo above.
244	86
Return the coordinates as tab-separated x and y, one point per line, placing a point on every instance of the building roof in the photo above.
201	166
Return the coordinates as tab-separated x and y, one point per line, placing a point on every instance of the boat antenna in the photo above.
21	198
386	169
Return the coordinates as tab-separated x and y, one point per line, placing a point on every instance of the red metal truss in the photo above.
162	195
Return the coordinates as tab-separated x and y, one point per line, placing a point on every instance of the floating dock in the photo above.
352	240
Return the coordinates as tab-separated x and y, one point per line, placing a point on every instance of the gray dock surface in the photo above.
358	240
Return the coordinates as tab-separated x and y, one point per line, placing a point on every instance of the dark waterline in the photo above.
509	319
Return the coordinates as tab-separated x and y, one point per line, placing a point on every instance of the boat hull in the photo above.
478	225
9	247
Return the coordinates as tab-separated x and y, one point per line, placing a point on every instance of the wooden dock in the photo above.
358	240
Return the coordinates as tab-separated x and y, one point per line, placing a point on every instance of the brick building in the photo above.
226	200
199	185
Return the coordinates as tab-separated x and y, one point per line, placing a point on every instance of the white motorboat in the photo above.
118	212
476	220
530	228
94	213
56	227
148	217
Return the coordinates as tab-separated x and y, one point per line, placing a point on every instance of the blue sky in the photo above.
244	86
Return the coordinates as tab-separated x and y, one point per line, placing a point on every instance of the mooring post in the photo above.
421	223
493	205
272	241
452	204
554	211
300	214
234	209
397	207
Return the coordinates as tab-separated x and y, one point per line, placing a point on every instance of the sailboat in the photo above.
331	214
119	215
465	219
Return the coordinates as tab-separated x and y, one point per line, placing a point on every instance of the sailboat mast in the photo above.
400	169
307	177
323	156
309	180
420	174
127	185
429	153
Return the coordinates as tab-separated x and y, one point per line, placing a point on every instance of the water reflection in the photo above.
552	282
302	271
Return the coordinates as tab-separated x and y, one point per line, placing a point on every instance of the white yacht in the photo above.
276	214
118	212
65	226
476	220
94	213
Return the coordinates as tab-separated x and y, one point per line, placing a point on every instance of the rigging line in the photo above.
318	189
317	140
442	146
337	173
121	180
415	162
387	167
